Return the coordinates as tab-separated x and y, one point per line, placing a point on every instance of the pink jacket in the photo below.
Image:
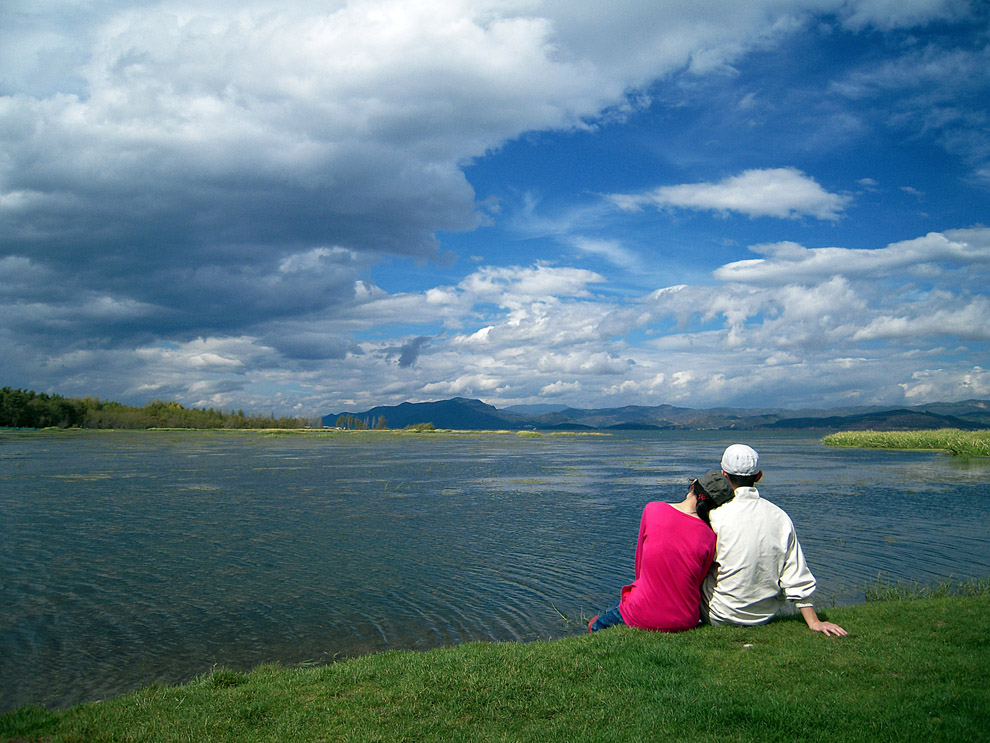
673	555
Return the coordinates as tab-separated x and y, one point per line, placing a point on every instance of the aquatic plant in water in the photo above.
954	441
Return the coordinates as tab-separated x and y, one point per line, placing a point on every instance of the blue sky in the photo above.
333	205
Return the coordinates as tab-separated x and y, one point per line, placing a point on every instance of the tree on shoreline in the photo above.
29	409
353	423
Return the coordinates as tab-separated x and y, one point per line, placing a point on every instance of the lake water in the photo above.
137	557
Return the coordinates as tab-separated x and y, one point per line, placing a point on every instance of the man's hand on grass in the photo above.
817	625
827	628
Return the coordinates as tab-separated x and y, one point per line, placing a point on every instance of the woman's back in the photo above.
673	555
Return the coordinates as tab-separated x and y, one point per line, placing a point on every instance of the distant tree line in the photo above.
27	409
376	423
353	423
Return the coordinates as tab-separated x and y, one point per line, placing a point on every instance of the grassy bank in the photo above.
913	669
954	441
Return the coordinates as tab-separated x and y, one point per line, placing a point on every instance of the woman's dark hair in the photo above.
706	506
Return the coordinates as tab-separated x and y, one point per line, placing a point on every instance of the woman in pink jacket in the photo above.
673	554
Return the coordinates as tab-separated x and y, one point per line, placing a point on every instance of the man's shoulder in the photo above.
769	505
771	513
751	503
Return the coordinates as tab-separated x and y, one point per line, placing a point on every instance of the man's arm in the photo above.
817	625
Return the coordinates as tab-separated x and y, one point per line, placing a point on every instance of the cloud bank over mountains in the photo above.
317	205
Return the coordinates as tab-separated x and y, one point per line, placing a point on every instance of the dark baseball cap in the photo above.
714	485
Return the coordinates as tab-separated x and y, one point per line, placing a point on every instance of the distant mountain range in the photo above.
474	415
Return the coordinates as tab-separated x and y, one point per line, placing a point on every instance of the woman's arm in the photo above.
641	540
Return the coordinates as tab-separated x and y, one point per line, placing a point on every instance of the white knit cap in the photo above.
740	459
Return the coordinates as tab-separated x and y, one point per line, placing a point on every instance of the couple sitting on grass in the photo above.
723	555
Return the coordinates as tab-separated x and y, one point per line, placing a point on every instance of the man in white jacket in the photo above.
759	565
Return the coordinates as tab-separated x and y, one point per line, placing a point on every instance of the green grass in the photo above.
911	669
954	441
886	590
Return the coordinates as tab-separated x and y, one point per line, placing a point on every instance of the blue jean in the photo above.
608	618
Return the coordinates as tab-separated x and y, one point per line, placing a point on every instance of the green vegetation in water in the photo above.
420	428
952	440
886	590
913	669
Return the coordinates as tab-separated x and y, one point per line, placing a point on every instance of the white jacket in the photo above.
758	563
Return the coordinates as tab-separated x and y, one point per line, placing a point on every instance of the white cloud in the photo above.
966	320
467	384
511	285
582	362
204	354
936	72
559	387
785	193
948	384
789	262
610	250
479	337
888	14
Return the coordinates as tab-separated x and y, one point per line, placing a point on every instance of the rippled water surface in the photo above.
130	558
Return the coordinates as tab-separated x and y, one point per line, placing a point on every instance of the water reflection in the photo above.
133	558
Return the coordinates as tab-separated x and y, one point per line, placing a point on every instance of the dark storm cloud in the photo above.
192	193
61	304
311	345
409	352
